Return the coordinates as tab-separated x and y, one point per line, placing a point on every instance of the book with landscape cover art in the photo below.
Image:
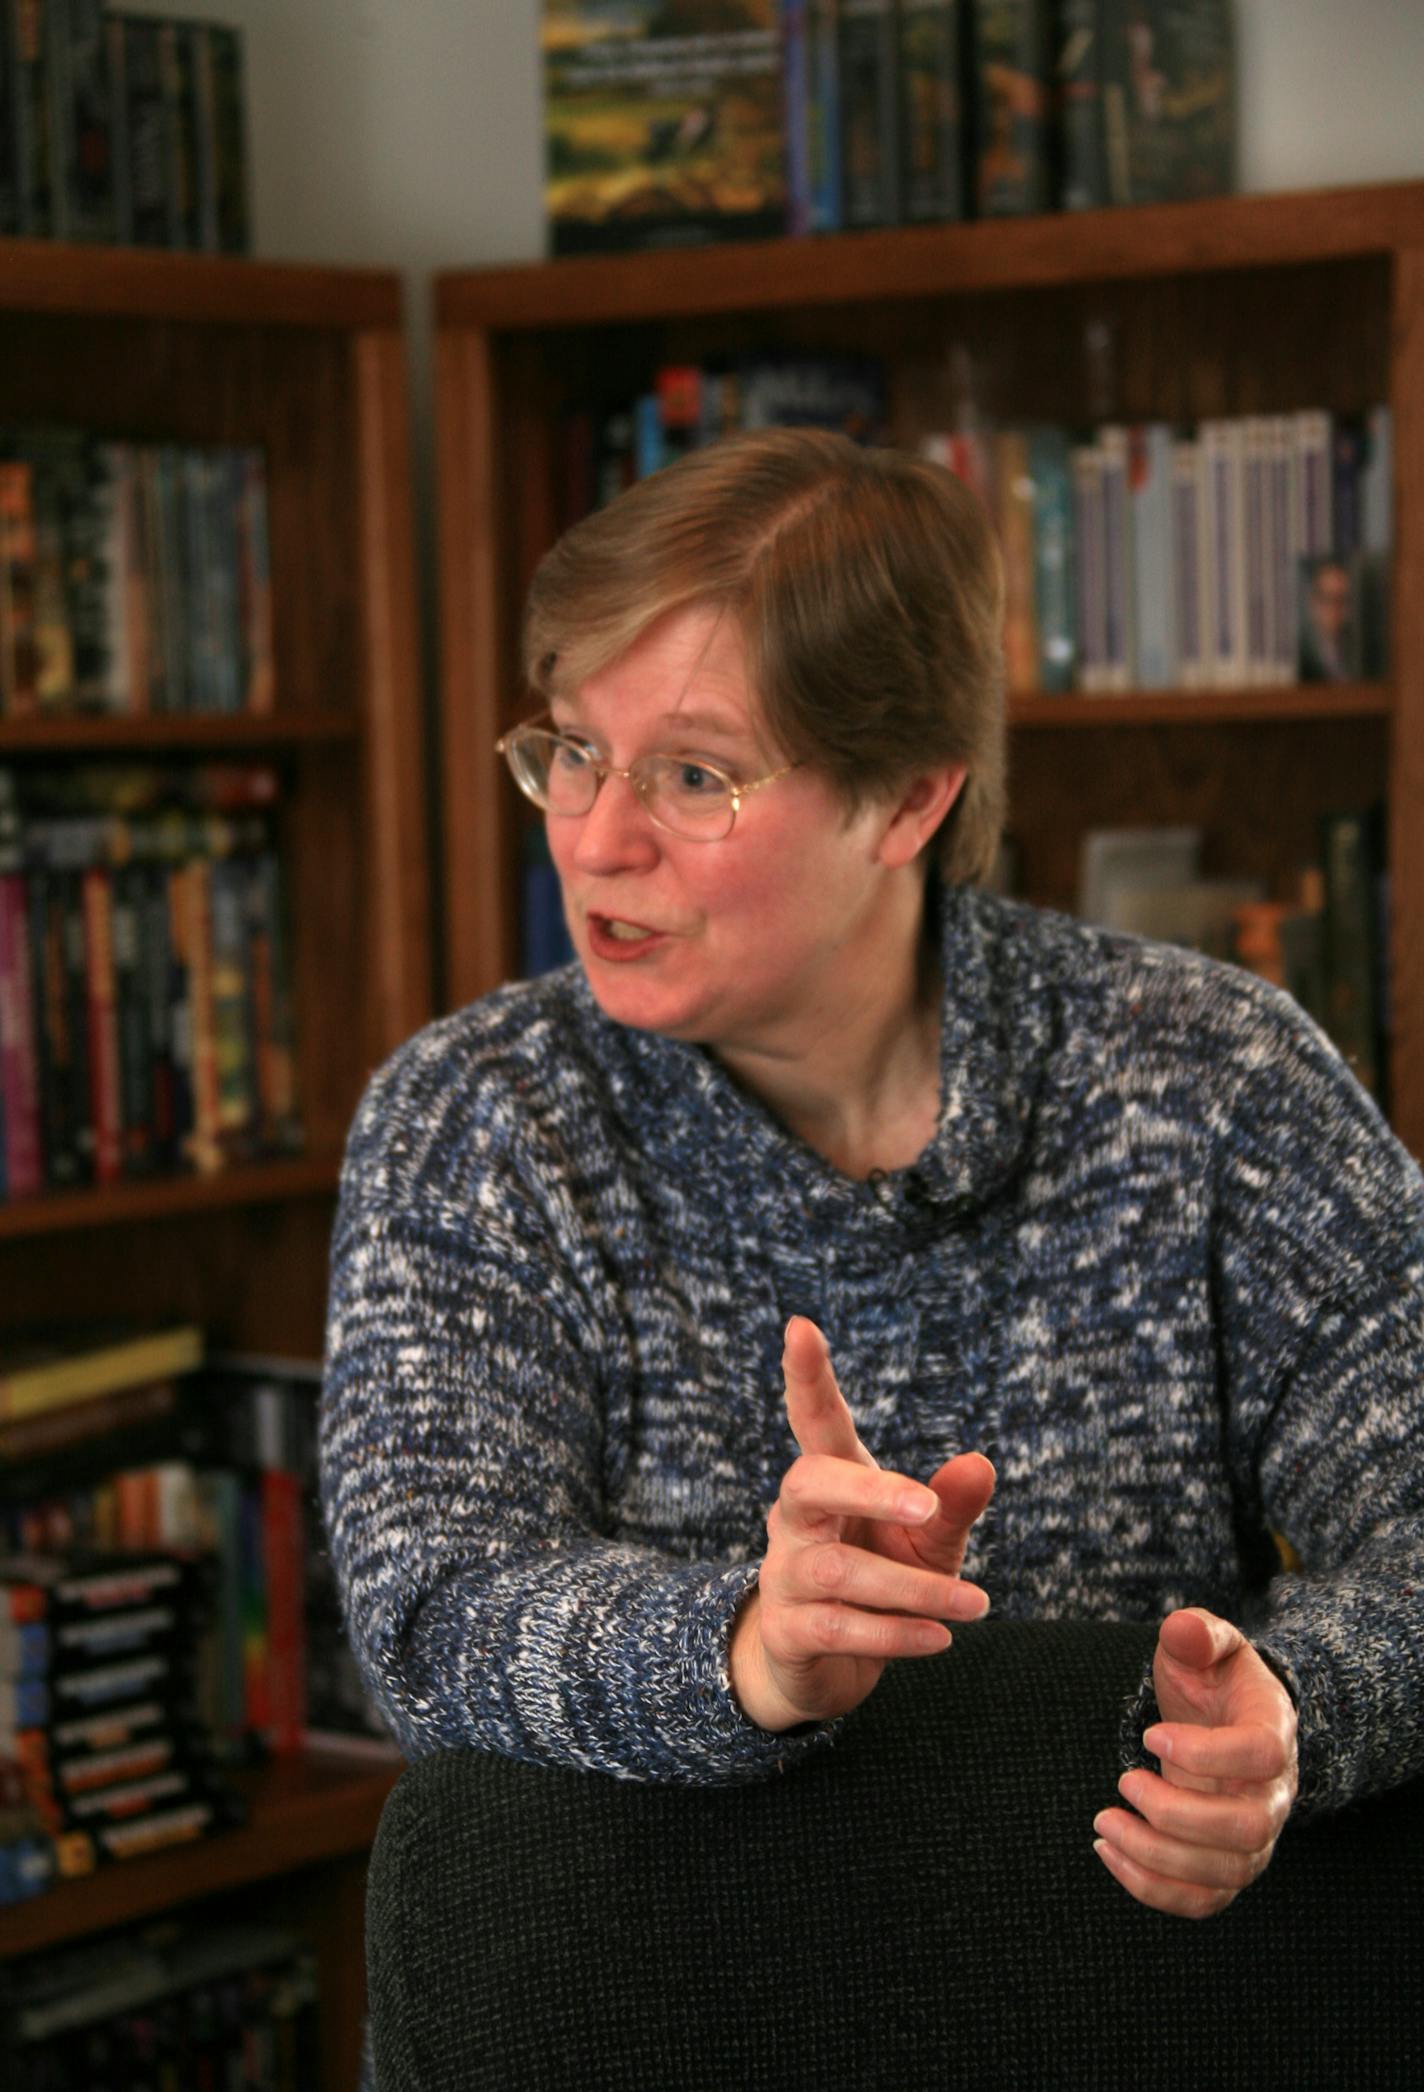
663	122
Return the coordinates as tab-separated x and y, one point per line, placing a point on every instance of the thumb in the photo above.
1197	1639
964	1486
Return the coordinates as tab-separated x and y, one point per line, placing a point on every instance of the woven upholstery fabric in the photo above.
919	1907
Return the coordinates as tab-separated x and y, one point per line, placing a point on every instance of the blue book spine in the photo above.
1053	577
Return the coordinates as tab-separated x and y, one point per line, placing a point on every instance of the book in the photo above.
19	660
28	119
1167	99
1355	955
220	104
81	105
21	1160
147	188
869	114
663	124
57	1369
1089	567
1224	502
1054	585
96	1422
1192	566
931	118
1013	493
1120	588
1153	555
1078	96
1117	862
1009	87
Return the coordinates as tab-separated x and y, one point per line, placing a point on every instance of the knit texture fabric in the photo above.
1163	1261
920	1910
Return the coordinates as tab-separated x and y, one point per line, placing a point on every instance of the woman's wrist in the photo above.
753	1687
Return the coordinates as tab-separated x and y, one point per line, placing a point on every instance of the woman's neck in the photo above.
862	1085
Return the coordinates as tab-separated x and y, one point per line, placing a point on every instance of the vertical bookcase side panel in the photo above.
397	885
476	644
1407	657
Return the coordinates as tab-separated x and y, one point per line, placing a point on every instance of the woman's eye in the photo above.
696	781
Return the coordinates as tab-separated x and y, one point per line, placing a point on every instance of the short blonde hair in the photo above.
868	589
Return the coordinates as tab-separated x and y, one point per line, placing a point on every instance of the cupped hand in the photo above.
1206	1826
862	1565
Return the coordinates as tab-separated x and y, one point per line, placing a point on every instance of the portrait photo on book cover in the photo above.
1332	619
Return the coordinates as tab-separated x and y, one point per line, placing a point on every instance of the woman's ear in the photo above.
918	812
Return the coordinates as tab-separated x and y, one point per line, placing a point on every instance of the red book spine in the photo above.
104	1093
286	1584
19	1070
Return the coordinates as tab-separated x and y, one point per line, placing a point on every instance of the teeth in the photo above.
627	933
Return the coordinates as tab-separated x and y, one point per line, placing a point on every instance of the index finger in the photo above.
1244	1751
816	1409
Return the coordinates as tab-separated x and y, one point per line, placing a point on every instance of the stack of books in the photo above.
98	1704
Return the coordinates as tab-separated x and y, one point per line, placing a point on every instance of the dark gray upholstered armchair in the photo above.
918	1908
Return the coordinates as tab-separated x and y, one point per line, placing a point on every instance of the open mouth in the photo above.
613	936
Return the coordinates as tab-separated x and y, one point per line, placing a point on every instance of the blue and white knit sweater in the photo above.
1162	1261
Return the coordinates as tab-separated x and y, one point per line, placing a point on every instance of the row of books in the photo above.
146	1018
204	1473
1326	943
102	1738
733	119
1238	551
121	127
180	2003
1242	551
134	577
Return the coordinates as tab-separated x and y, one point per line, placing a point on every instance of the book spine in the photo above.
1119	635
869	110
1224	481
1090	566
1054	579
792	16
19	654
82	120
1083	173
1285	547
1013	506
1259	551
1010	72
19	1068
931	128
30	117
203	1145
228	145
106	1100
1352	867
1154	556
823	99
1315	527
131	999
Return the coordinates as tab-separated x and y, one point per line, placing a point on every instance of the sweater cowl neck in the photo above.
688	1113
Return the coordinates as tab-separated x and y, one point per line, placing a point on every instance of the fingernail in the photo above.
1100	1822
1158	1742
916	1504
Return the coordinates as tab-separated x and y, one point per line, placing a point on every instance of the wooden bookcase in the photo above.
1241	305
308	364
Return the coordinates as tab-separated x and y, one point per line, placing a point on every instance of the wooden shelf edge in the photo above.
252	1184
59	276
1202	707
319	1806
158	732
1227	232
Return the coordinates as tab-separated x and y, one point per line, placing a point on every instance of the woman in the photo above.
1114	1216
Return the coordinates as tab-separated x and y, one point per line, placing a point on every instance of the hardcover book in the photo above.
1009	76
663	122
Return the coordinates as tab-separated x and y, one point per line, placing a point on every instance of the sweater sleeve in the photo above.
461	1458
1320	1279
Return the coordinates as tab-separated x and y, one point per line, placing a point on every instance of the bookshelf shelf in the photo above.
121	1205
1246	305
1067	248
156	735
1200	707
60	276
303	1811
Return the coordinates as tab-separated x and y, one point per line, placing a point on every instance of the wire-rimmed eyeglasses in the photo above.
685	796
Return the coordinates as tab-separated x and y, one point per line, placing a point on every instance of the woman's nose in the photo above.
616	832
